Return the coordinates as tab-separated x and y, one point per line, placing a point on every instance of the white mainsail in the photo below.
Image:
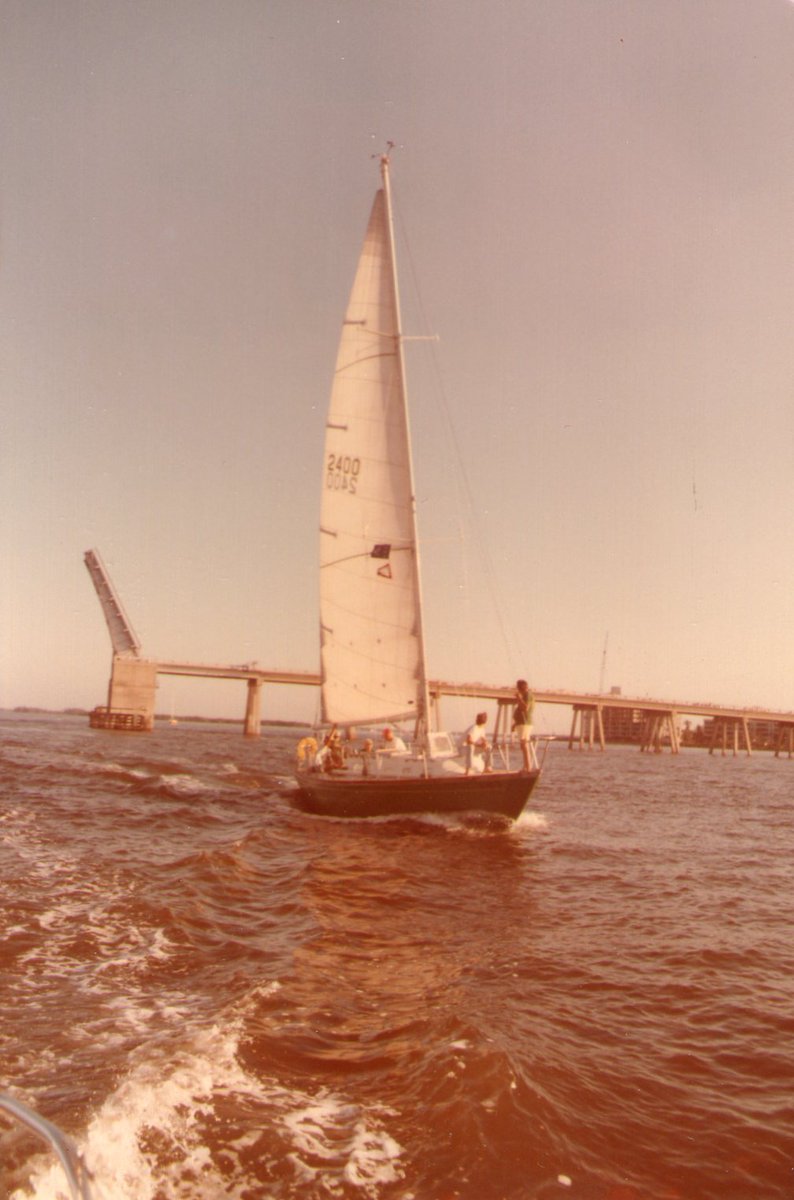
370	612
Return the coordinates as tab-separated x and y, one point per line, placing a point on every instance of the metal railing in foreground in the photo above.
76	1171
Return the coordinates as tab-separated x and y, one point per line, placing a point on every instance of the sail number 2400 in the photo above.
341	472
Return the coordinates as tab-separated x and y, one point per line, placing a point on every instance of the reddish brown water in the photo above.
219	996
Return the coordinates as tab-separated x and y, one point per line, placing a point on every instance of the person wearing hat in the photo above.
478	748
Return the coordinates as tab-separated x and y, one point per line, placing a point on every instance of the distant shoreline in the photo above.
84	712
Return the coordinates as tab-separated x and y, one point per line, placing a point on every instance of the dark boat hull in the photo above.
502	793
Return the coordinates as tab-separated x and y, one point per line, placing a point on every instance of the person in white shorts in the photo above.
478	748
522	719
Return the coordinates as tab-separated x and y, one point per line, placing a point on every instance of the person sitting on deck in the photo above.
478	748
331	758
392	743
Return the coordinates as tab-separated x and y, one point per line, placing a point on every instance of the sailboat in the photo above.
371	630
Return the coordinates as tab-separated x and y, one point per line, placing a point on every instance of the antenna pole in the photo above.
603	665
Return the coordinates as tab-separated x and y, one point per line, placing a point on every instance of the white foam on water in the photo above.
374	1159
115	944
160	1102
183	785
334	1139
116	768
529	820
148	1139
50	918
87	951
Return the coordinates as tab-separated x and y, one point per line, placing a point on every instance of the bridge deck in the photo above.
484	691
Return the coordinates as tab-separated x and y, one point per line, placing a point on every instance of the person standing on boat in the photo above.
522	719
349	742
478	748
365	754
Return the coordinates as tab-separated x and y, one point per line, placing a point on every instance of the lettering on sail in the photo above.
342	472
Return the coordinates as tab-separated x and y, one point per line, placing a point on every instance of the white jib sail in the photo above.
371	639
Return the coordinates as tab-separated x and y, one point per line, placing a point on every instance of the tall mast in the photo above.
423	716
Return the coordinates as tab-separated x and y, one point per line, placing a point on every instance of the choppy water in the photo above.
219	996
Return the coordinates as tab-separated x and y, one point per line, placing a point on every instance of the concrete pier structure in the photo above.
131	696
785	738
133	680
727	730
253	709
654	726
589	720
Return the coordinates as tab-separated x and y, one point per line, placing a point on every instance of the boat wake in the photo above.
192	1122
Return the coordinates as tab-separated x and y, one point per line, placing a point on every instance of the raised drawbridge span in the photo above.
122	636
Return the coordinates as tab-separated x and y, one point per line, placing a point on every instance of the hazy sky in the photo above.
595	207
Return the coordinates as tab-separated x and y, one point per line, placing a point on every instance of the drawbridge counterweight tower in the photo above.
133	680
